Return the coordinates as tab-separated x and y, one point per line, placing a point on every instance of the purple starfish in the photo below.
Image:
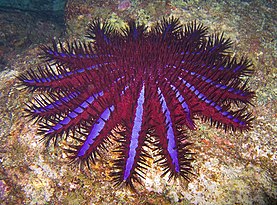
139	87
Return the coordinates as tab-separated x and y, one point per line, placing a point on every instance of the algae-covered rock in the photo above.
34	5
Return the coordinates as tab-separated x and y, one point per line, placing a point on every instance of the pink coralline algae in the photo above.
124	5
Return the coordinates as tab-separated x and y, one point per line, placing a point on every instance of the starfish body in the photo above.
144	86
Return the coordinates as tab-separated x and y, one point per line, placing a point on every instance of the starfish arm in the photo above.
182	112
96	137
88	110
58	78
50	104
131	163
75	55
231	91
97	132
171	146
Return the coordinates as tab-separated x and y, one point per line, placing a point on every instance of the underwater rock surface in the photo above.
230	168
37	5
